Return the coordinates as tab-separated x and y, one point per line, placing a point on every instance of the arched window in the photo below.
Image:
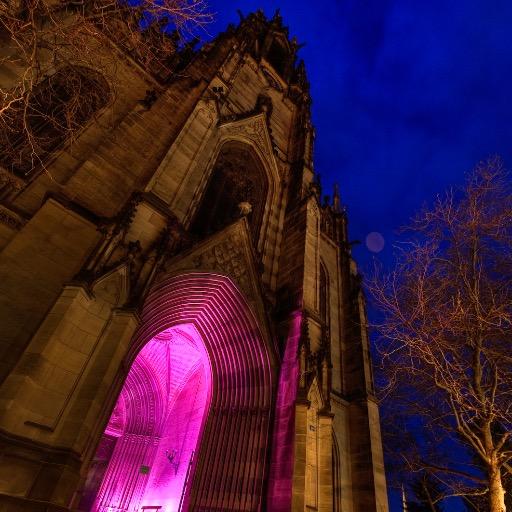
278	57
238	184
324	295
336	475
59	107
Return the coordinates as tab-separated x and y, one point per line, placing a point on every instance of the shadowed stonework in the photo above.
183	327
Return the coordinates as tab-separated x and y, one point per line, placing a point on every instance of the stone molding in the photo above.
11	219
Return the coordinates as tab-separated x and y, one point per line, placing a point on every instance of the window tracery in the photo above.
324	295
237	187
59	107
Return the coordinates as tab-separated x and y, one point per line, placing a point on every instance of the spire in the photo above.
300	74
277	19
336	202
316	185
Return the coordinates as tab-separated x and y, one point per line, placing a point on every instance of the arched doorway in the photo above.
146	454
190	428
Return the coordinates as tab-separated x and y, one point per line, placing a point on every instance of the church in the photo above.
182	324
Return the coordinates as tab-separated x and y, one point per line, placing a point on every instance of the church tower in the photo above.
183	327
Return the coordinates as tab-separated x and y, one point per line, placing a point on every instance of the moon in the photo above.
375	241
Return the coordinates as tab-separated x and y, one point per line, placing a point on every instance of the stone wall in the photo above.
87	240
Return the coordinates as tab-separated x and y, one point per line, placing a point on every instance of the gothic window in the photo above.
336	477
59	107
324	295
237	186
278	57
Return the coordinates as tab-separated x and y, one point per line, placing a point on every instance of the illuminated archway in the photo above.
152	435
191	425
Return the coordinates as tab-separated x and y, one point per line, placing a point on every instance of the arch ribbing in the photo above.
231	462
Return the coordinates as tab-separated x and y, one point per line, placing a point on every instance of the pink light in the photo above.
157	422
220	357
281	467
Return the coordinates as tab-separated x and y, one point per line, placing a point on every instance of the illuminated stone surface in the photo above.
156	423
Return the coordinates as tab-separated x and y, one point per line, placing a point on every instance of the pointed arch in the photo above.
229	467
238	180
336	474
323	294
313	448
251	134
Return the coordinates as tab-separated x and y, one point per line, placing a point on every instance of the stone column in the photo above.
325	477
299	469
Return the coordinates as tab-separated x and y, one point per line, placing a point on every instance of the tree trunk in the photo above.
496	492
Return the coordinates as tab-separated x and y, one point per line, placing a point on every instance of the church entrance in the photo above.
190	428
145	459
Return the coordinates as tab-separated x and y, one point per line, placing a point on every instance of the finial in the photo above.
296	46
277	19
245	208
316	186
336	202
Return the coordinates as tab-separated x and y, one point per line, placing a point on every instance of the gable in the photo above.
253	129
230	253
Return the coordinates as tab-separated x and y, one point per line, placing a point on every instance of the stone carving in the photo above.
208	110
113	288
10	218
313	208
116	248
245	208
113	248
254	125
227	256
9	184
254	130
315	365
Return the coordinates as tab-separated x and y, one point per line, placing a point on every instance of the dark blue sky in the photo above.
407	97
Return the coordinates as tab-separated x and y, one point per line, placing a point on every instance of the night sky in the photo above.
408	96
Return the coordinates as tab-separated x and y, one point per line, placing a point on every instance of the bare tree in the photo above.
446	337
40	37
426	492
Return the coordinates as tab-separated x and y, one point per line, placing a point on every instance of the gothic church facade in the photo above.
182	323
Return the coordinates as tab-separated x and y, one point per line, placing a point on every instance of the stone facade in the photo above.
198	208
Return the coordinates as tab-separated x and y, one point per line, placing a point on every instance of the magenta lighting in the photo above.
156	423
281	469
198	368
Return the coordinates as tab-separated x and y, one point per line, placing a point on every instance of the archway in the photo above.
190	429
148	446
336	474
238	180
